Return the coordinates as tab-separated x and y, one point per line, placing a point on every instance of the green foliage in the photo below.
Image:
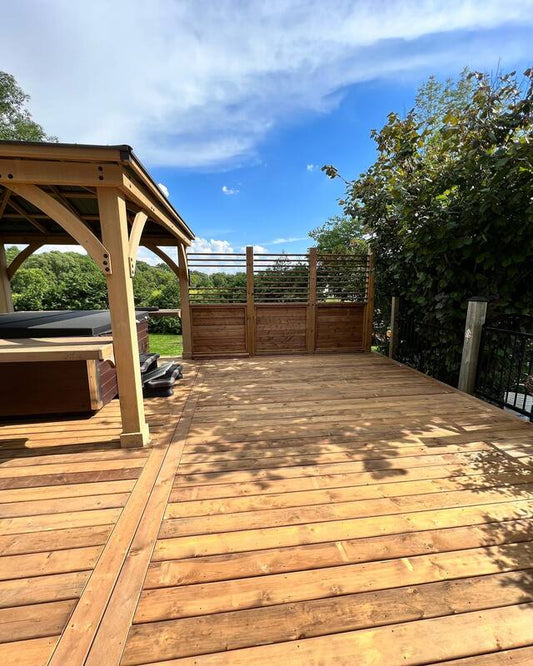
340	235
16	123
447	204
71	281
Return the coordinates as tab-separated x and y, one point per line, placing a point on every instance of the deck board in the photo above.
335	509
64	487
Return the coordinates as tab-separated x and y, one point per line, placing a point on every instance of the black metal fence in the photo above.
430	347
505	367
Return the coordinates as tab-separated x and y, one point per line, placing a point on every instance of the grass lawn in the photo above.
166	345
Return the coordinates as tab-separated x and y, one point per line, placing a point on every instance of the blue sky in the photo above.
234	106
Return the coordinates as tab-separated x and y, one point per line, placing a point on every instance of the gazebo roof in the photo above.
70	173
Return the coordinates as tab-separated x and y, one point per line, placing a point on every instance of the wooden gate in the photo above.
250	304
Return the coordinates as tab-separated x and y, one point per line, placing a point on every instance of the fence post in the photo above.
311	305
250	306
369	307
475	318
394	312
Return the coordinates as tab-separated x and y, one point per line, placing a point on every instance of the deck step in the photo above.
160	382
148	362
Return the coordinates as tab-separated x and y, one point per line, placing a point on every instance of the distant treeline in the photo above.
70	281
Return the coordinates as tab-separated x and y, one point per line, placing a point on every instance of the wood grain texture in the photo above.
318	513
362	513
65	485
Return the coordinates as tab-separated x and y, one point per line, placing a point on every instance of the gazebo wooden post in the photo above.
114	225
186	329
6	302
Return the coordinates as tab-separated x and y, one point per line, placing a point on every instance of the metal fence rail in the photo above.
342	278
504	366
431	348
281	278
217	278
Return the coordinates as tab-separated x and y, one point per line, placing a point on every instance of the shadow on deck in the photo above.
319	509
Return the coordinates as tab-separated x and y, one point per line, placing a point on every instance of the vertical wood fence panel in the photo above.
279	303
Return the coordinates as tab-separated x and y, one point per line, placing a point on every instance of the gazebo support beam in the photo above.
114	225
135	238
182	273
21	258
66	219
164	257
6	302
186	326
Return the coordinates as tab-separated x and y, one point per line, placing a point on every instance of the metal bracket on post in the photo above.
475	318
394	312
106	263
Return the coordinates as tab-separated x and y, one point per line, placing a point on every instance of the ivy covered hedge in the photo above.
447	207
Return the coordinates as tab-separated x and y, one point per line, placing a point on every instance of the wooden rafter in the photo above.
3	201
53	173
135	238
42	216
21	258
27	216
71	223
65	201
145	203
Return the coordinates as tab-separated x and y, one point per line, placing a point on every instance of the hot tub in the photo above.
59	387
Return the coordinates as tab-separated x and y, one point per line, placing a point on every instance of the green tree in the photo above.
340	235
16	123
30	288
447	204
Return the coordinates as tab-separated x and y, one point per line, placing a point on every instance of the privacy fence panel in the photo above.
255	303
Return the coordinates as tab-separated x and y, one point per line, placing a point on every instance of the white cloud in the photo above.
61	248
292	239
209	80
52	248
229	190
210	246
311	167
259	249
163	189
146	255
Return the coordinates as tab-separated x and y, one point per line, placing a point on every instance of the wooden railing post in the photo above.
6	302
369	307
250	306
186	324
311	305
394	312
475	318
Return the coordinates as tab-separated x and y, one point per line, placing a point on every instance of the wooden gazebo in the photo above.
102	198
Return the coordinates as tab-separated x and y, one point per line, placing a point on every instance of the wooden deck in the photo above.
312	509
